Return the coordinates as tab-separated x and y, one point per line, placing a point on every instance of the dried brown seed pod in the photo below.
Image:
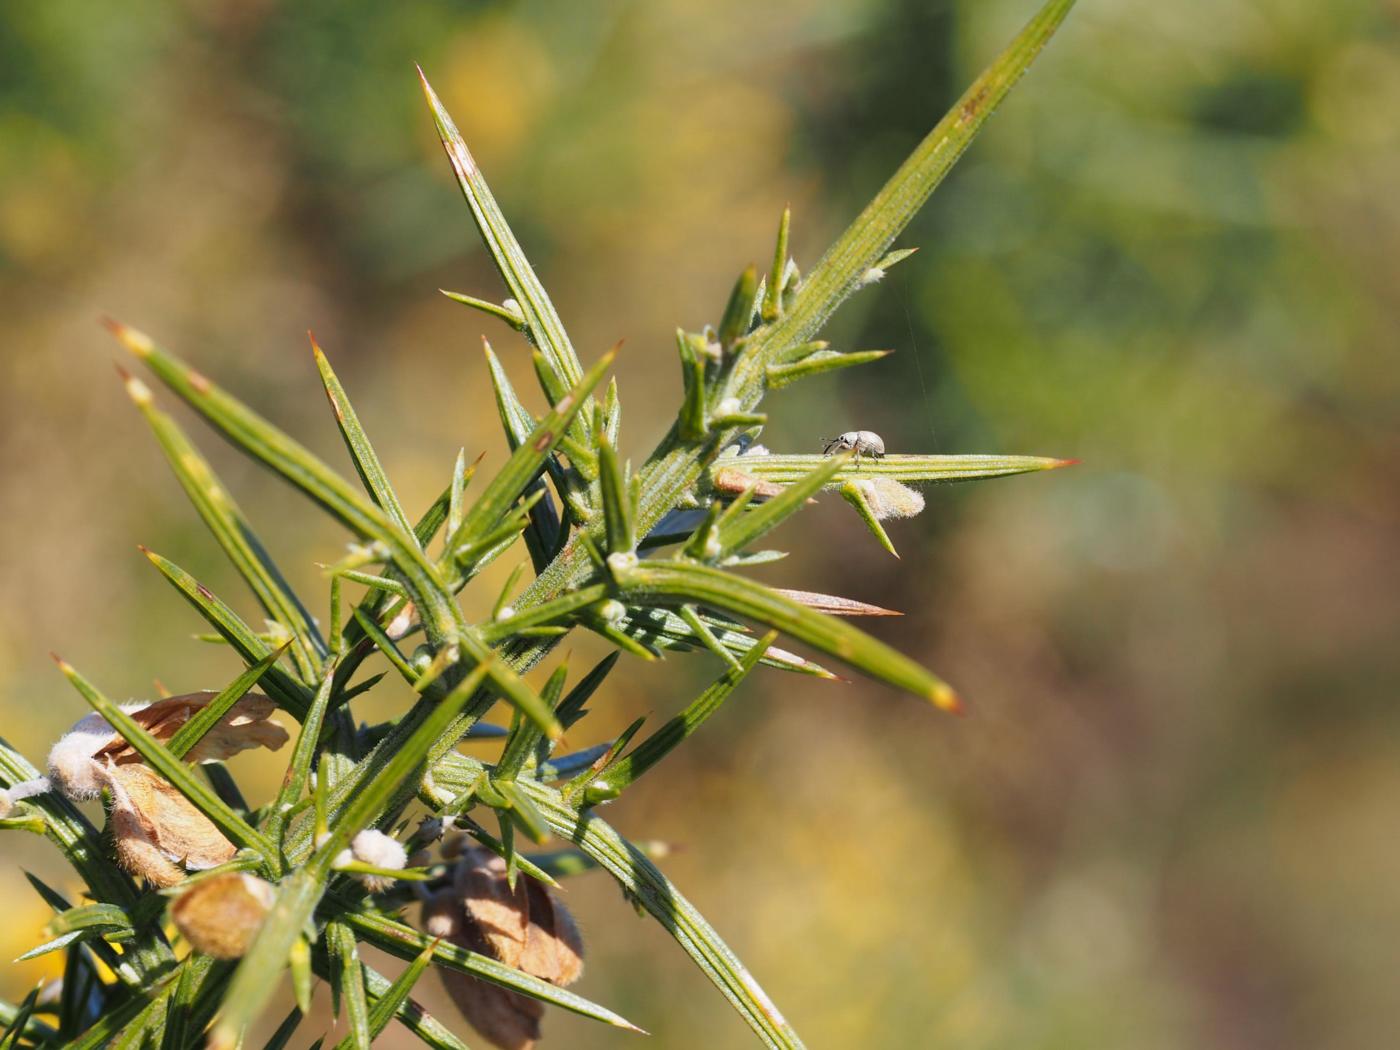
158	833
527	928
221	915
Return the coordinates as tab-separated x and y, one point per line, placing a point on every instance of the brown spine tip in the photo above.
137	342
950	701
1068	462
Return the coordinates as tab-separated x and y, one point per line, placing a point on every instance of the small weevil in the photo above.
861	442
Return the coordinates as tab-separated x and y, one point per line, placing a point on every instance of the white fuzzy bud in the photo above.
71	765
889	498
381	851
874	275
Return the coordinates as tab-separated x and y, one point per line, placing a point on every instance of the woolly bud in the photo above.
889	498
381	851
874	275
221	915
71	764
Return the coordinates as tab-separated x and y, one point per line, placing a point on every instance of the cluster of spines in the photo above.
588	572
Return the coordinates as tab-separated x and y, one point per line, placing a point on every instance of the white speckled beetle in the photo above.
861	442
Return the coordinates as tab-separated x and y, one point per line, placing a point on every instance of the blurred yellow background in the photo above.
1171	816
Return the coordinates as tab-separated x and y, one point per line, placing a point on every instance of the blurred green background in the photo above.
1171	817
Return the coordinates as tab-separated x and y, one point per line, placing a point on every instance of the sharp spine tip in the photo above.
138	343
949	701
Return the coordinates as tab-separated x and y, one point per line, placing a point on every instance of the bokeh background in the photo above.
1171	817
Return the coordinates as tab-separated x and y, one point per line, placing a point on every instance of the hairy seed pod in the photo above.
221	915
158	833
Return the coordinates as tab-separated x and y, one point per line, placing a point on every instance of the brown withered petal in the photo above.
527	928
245	726
157	831
553	947
221	915
734	481
500	918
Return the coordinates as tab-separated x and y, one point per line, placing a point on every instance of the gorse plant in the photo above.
200	902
